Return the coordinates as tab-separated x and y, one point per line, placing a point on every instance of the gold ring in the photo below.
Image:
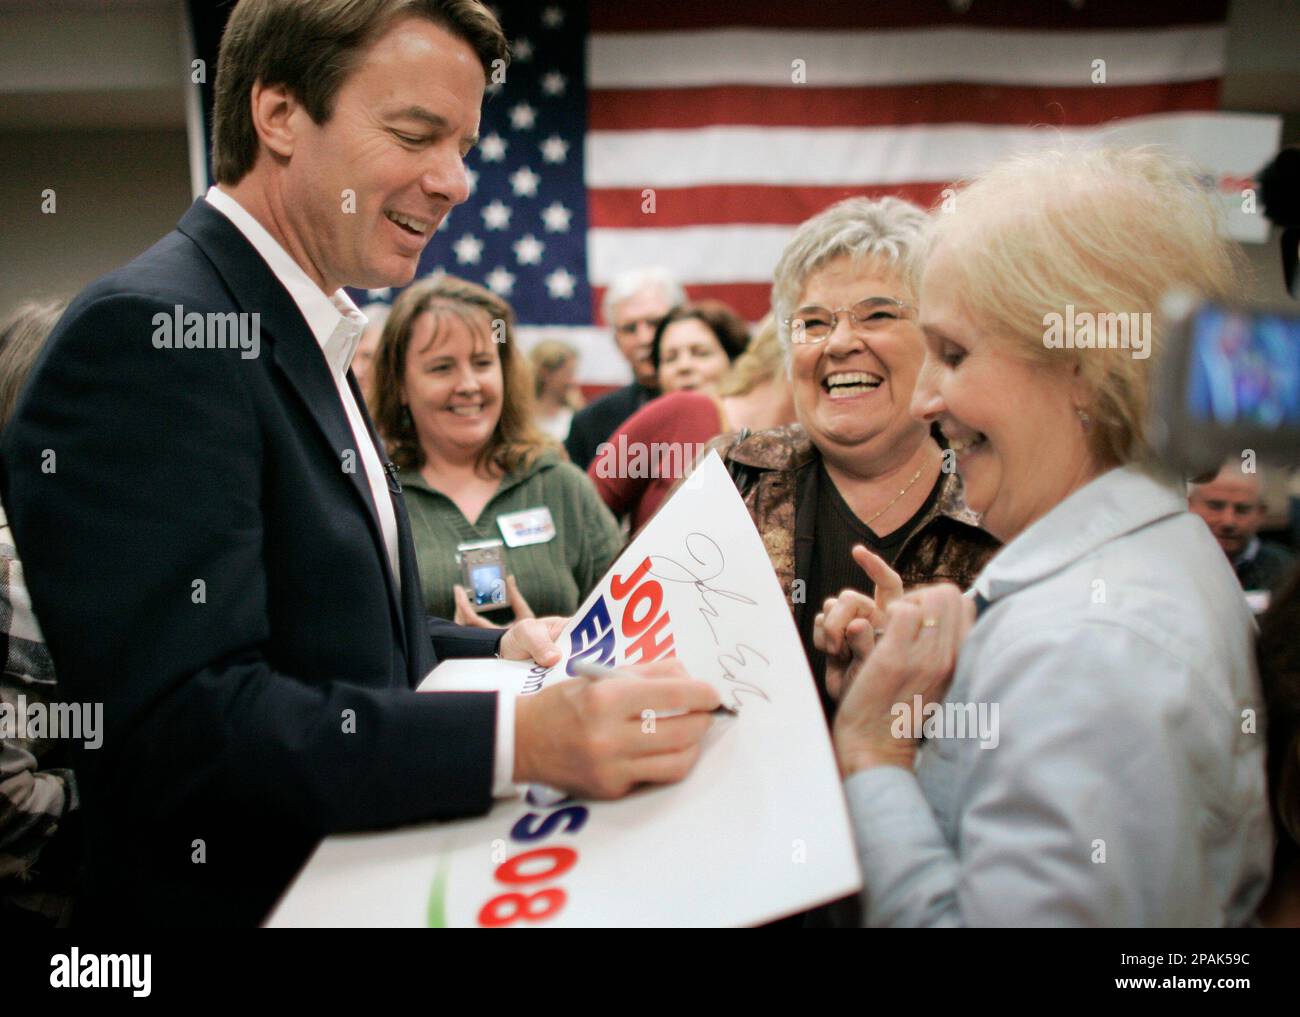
930	623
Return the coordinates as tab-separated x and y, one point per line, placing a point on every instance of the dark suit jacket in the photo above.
204	564
595	423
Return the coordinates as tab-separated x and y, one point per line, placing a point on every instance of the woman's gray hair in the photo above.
887	228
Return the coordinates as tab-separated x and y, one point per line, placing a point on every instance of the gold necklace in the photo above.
915	477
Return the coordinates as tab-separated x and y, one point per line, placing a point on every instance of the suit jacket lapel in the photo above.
411	610
295	351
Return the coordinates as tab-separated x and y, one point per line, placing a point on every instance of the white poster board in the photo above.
757	831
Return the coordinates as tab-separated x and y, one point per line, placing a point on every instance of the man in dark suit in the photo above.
634	304
214	547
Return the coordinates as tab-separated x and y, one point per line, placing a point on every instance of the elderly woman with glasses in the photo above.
857	468
1093	750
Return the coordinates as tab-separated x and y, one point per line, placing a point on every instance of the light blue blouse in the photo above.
1127	785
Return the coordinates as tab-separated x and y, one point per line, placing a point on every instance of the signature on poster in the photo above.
740	663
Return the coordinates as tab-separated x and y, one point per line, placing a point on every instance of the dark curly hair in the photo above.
727	326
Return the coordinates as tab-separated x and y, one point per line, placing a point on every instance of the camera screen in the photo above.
1245	369
489	587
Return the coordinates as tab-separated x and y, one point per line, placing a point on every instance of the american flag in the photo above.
697	134
523	233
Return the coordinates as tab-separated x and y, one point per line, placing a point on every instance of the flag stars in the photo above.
554	149
528	249
552	17
493	147
472	177
556	217
522	50
560	284
522	117
554	83
468	249
523	182
496	216
500	281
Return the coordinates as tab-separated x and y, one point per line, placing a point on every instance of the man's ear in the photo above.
276	117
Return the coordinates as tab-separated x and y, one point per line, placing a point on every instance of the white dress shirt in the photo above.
1127	784
337	325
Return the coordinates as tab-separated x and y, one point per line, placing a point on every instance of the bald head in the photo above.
1232	505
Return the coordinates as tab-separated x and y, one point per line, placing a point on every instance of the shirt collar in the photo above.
1120	501
334	320
1248	553
545	460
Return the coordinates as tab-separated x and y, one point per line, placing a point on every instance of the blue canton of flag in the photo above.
522	233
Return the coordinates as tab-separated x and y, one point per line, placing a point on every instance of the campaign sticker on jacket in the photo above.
757	830
531	526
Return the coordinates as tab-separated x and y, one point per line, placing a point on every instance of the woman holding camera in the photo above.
497	514
1094	752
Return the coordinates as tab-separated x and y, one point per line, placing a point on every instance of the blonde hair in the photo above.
22	337
763	361
1104	230
547	357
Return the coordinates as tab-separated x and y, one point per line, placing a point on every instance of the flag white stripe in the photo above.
695	254
1237	143
599	363
834	57
1224	144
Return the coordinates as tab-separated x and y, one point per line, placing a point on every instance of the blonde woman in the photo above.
1089	756
555	368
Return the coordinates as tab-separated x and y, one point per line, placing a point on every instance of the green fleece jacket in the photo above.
555	576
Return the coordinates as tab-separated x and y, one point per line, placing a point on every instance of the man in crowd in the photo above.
213	543
363	362
1232	505
634	304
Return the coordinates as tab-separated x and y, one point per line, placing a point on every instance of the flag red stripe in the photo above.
689	15
749	300
718	204
637	109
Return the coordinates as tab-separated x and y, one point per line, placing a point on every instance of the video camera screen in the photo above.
1245	369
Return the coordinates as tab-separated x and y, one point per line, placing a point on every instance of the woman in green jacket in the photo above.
503	525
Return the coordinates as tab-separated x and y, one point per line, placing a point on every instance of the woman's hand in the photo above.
917	654
831	624
467	615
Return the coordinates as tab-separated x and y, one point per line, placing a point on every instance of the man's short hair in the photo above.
310	47
628	284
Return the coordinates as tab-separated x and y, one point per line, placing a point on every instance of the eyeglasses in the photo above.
633	326
874	314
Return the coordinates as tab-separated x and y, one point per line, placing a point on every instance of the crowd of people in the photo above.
954	509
